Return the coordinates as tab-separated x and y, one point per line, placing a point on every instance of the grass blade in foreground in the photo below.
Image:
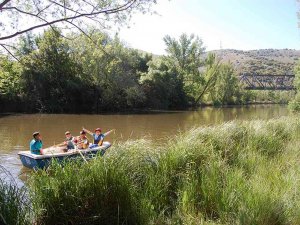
14	205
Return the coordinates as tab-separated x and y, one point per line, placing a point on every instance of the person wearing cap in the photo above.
82	140
36	144
98	137
70	140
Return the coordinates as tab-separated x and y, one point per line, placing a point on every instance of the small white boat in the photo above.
34	161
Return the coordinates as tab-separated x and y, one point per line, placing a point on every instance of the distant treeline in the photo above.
96	72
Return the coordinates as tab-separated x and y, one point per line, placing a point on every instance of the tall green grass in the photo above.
14	205
85	194
234	173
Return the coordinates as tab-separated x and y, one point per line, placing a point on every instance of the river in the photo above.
16	130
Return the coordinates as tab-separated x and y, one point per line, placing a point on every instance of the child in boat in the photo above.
98	137
70	140
36	144
82	140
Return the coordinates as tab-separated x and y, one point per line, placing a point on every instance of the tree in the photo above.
65	13
210	74
26	44
51	79
10	87
201	75
226	89
186	54
163	86
114	69
9	79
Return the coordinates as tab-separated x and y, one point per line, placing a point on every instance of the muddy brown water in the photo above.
16	130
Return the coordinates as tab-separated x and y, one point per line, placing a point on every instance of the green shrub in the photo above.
294	105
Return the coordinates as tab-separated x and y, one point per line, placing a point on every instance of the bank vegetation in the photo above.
234	173
98	72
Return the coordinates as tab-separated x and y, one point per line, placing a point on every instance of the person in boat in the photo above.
69	142
36	144
82	140
98	137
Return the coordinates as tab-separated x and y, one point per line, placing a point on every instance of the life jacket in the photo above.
84	141
98	139
70	139
70	142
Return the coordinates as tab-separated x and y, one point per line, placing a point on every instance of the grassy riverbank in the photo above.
234	173
14	205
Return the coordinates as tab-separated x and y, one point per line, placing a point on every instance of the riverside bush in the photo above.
234	173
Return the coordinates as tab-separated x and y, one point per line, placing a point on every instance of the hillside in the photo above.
263	61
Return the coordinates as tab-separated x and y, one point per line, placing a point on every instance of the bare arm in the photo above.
108	132
88	131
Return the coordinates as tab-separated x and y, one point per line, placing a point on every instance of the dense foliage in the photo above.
209	175
295	103
99	73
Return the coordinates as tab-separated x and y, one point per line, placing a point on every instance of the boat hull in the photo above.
33	161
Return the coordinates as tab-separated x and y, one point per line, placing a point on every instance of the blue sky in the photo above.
236	24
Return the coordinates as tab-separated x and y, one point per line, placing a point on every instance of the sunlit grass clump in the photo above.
94	193
234	173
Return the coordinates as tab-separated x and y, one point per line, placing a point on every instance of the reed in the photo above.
94	193
14	205
234	173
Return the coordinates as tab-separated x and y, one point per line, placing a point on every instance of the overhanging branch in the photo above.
120	8
4	3
9	52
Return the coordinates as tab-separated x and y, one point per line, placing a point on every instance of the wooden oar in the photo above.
53	146
80	153
82	156
51	149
